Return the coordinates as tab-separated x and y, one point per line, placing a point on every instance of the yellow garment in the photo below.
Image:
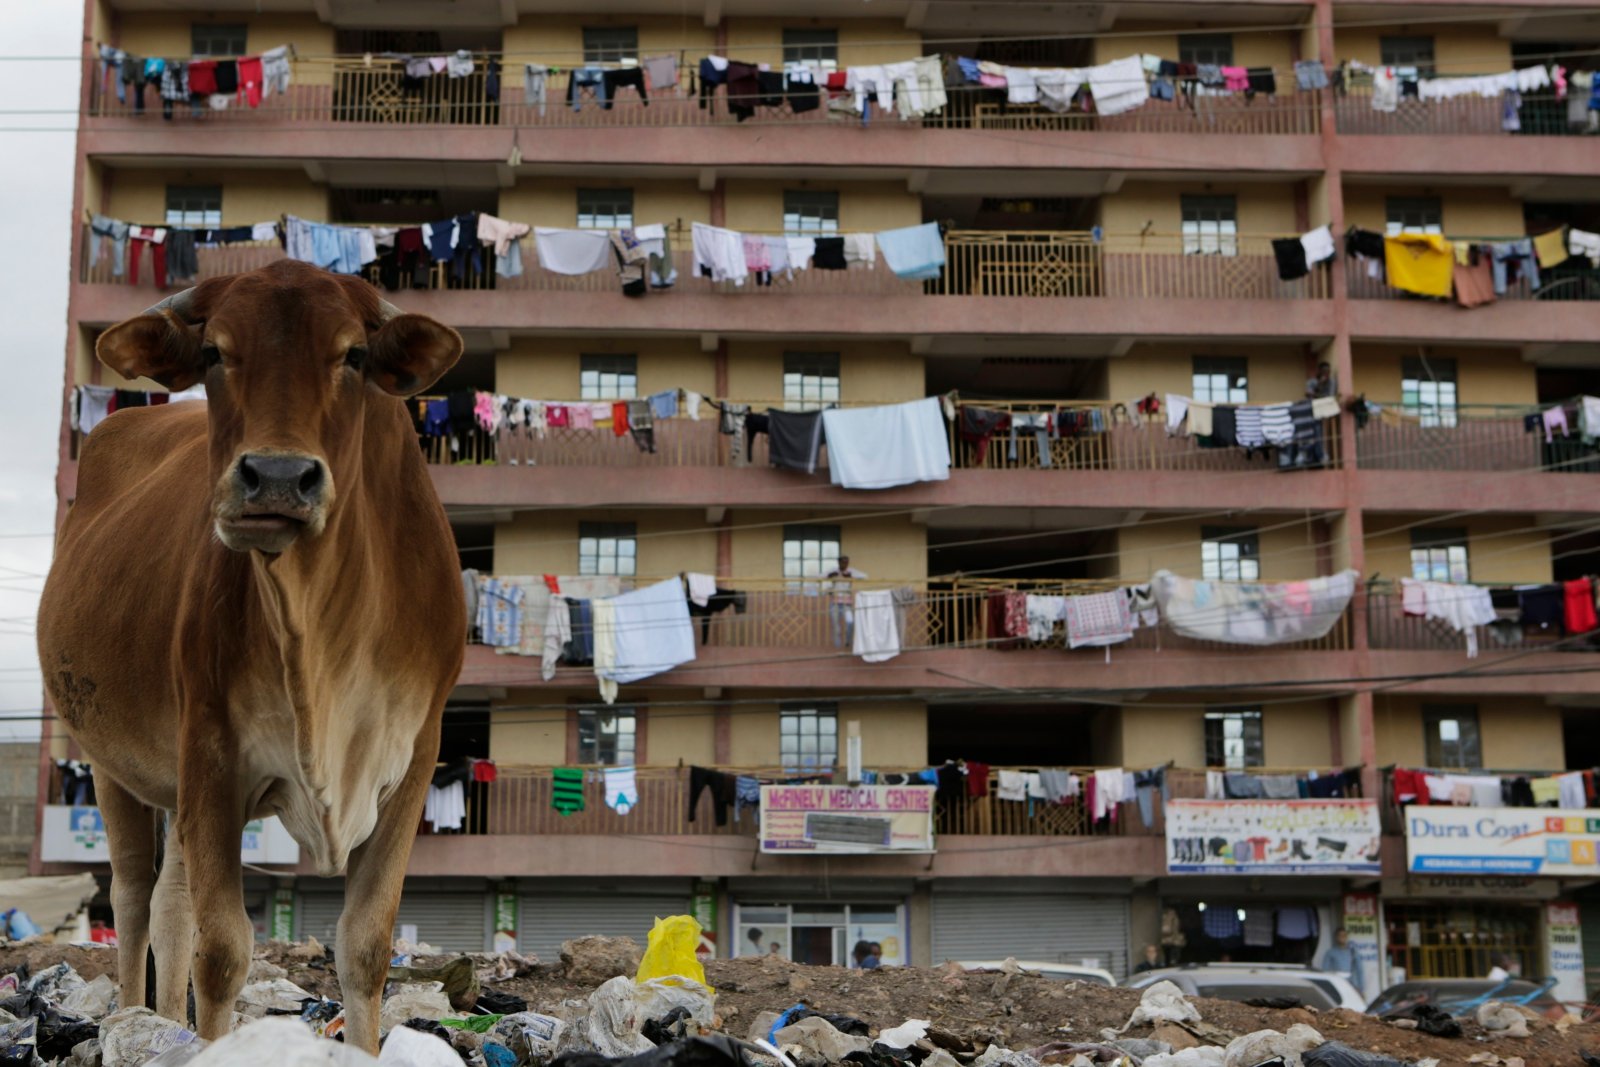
1419	263
1463	254
1546	790
1199	419
1551	248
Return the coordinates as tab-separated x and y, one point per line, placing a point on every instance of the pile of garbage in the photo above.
658	1009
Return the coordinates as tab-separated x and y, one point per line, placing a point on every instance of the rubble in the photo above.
592	960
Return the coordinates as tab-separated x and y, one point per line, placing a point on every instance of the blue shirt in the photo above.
1342	960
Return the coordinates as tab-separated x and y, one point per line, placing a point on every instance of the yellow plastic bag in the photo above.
670	952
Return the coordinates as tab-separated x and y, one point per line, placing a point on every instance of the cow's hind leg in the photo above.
172	930
131	838
210	820
375	874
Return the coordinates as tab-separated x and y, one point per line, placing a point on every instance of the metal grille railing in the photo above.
1478	437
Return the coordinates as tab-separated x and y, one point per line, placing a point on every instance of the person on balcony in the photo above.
841	602
1323	384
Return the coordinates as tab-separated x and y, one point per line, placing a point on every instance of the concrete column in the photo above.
919	915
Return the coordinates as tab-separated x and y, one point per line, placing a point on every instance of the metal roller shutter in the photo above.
546	921
451	922
1047	927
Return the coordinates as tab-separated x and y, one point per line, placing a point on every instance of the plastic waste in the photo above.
280	1042
532	1037
614	1021
19	1042
406	1047
92	1000
1338	1054
497	1003
478	1024
325	1017
53	983
814	1040
18	925
1502	1018
1430	1020
995	1054
458	978
1199	1056
906	1034
497	1055
133	1036
1163	1002
182	1056
277	995
673	1025
714	1050
845	1024
669	952
940	1058
658	996
1263	1045
424	1000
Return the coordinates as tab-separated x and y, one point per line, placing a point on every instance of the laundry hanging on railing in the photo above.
90	404
1391	84
641	634
1570	791
1297	255
1254	785
885	446
1253	613
204	83
1475	272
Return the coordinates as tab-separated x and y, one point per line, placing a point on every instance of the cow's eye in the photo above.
355	356
211	354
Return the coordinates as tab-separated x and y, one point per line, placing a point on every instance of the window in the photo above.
608	377
1428	390
809	552
1220	380
194	205
607	736
815	48
1229	555
1210	226
810	380
1412	214
1450	736
611	44
217	39
1411	53
1439	554
608	548
808	737
808	212
1216	48
1233	738
605	209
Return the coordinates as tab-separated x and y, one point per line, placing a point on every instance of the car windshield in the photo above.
1452	996
1307	994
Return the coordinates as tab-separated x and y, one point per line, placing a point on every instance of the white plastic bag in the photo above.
278	994
533	1037
280	1041
1163	1002
905	1035
1199	1056
91	1001
657	996
1502	1018
1263	1045
416	1000
405	1047
614	1021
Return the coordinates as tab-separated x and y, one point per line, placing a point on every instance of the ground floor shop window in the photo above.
1222	930
1441	940
824	934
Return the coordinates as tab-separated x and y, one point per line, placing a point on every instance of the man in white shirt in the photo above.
841	602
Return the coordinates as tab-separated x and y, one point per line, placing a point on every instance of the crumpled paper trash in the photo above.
814	1040
419	1000
1163	1002
1502	1018
1264	1045
277	994
92	1000
133	1036
905	1035
534	1038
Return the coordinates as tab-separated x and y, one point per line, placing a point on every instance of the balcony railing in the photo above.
1012	263
517	803
795	613
1542	115
685	442
1469	437
1568	281
1390	628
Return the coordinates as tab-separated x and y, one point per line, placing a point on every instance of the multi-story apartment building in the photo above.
1092	260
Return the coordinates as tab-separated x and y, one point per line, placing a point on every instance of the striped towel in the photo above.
566	789
1277	425
1247	426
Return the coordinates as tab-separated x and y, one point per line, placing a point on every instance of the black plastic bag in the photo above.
673	1026
715	1050
1430	1020
493	1002
1338	1054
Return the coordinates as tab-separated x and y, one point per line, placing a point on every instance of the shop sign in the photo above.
282	914
1467	887
75	833
1563	947
1362	925
858	820
703	906
1497	841
1273	837
506	913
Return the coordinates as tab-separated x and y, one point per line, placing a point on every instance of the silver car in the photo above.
1251	981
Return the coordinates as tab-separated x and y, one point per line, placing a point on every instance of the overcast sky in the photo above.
36	205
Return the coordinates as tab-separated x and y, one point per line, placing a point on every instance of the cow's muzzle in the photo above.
274	498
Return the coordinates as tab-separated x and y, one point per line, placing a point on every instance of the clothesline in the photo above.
1569	791
1476	273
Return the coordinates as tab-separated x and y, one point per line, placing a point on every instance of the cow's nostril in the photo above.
249	477
311	482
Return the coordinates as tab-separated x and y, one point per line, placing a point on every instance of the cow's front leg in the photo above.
210	821
131	840
172	930
375	874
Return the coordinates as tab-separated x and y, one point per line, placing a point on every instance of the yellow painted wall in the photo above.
557	40
1269	49
165	33
1461	49
547	201
892	735
531	738
1263	210
758	205
869	371
861	41
546	542
248	196
1499	548
1293	735
1517	732
1277	373
101	22
548	367
1286	554
1483	375
1465	212
888	549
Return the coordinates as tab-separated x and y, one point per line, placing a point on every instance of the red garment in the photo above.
619	418
552	583
203	77
837	80
556	414
977	779
158	257
1409	787
250	80
483	770
1580	606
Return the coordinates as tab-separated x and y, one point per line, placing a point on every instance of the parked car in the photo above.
1065	972
1255	981
1461	996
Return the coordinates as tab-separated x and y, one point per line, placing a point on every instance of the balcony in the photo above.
1570	281
1389	628
1542	115
1469	437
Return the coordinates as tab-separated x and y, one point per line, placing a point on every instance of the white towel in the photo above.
650	632
1118	86
1177	408
573	251
861	248
1012	785
622	789
881	447
1043	614
1318	245
701	588
801	249
1572	795
1325	407
877	637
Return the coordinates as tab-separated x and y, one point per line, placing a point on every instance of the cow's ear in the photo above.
408	353
157	345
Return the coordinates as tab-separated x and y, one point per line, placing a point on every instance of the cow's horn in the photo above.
179	304
387	311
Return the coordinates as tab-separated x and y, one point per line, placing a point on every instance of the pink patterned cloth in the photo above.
1098	620
1235	79
756	254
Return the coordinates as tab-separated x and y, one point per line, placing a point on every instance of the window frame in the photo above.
1250	738
821	52
232	35
800	576
595	367
810	380
592	560
1215	559
1208	48
590	720
1441	554
1433	741
1430	391
1398	210
602	209
1206	369
622	51
815	713
1209	224
806	212
1408	51
190	217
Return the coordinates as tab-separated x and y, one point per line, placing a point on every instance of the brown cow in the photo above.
255	609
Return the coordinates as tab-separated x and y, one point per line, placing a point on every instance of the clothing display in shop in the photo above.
886	446
1253	613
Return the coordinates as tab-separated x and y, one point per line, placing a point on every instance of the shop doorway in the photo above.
1230	930
823	934
1444	940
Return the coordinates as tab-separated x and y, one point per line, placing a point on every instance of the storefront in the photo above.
451	914
553	910
993	919
1255	920
829	922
